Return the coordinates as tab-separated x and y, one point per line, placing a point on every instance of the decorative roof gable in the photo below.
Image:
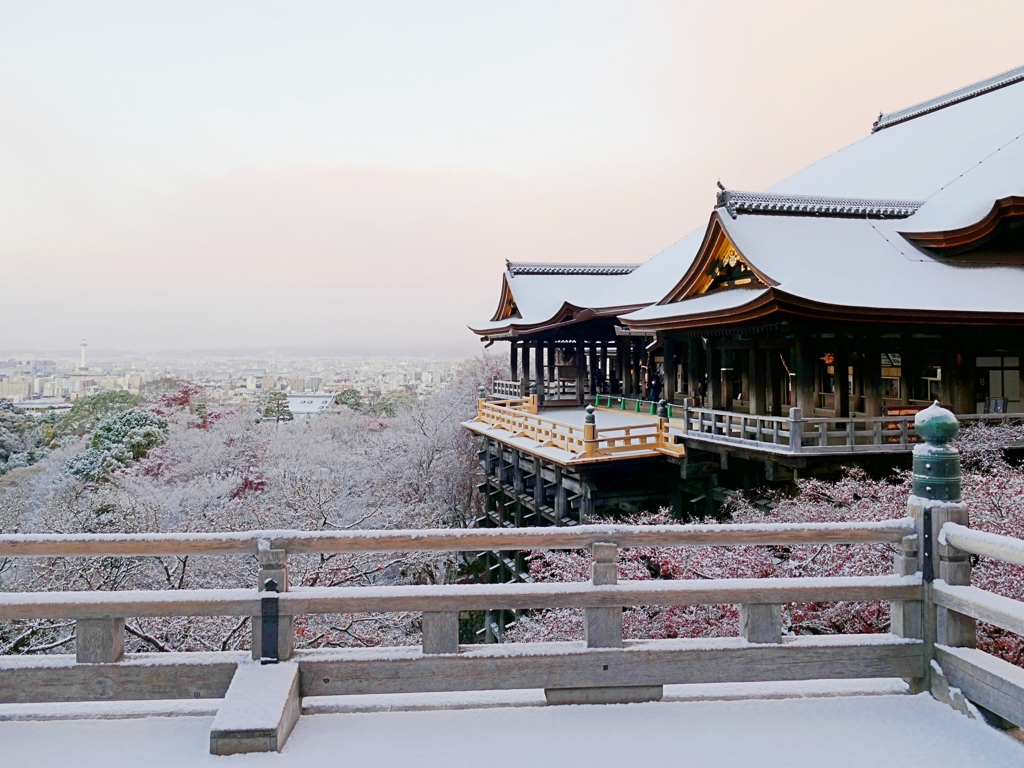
507	305
719	265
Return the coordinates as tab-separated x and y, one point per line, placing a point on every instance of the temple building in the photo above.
803	324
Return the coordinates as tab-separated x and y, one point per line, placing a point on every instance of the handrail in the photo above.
449	540
1004	612
1004	548
456	597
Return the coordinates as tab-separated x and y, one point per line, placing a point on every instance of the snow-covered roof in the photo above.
305	405
969	197
709	303
541	298
936	166
845	262
913	159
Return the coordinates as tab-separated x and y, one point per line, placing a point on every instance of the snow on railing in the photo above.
449	540
1003	548
604	665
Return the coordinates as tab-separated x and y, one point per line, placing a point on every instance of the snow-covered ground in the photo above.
878	731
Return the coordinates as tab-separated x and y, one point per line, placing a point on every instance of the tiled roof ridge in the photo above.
556	268
948	99
736	202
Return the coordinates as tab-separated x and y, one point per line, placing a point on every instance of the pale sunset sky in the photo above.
249	175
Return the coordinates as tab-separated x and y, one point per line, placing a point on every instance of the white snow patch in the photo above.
843	732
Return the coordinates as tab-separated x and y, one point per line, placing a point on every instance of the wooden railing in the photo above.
589	442
500	388
668	434
818	435
560	389
931	620
603	667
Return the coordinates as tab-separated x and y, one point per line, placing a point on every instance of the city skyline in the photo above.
234	177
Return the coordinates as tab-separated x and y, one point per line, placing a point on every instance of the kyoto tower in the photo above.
83	345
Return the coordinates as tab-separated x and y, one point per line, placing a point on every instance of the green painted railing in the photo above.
629	404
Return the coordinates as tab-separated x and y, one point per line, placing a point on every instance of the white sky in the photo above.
243	175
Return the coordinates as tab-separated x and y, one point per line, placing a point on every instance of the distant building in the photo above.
16	388
44	404
310	405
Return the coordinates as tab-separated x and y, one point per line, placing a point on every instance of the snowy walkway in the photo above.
575	417
876	731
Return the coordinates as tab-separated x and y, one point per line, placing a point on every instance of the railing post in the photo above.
687	405
795	430
603	626
662	438
440	632
273	567
99	641
906	616
533	406
936	500
590	432
761	623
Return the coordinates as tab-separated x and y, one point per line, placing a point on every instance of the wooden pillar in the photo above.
502	474
592	368
871	362
524	381
757	363
776	374
908	370
603	367
580	370
513	360
957	391
806	365
716	397
561	496
638	356
539	495
741	362
552	368
669	351
841	377
693	366
538	365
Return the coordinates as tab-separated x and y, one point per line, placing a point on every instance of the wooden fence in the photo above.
933	614
560	389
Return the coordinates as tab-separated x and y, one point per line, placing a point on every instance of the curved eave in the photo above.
755	309
568	314
972	234
774	303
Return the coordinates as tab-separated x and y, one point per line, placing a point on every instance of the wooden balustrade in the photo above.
788	435
605	667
